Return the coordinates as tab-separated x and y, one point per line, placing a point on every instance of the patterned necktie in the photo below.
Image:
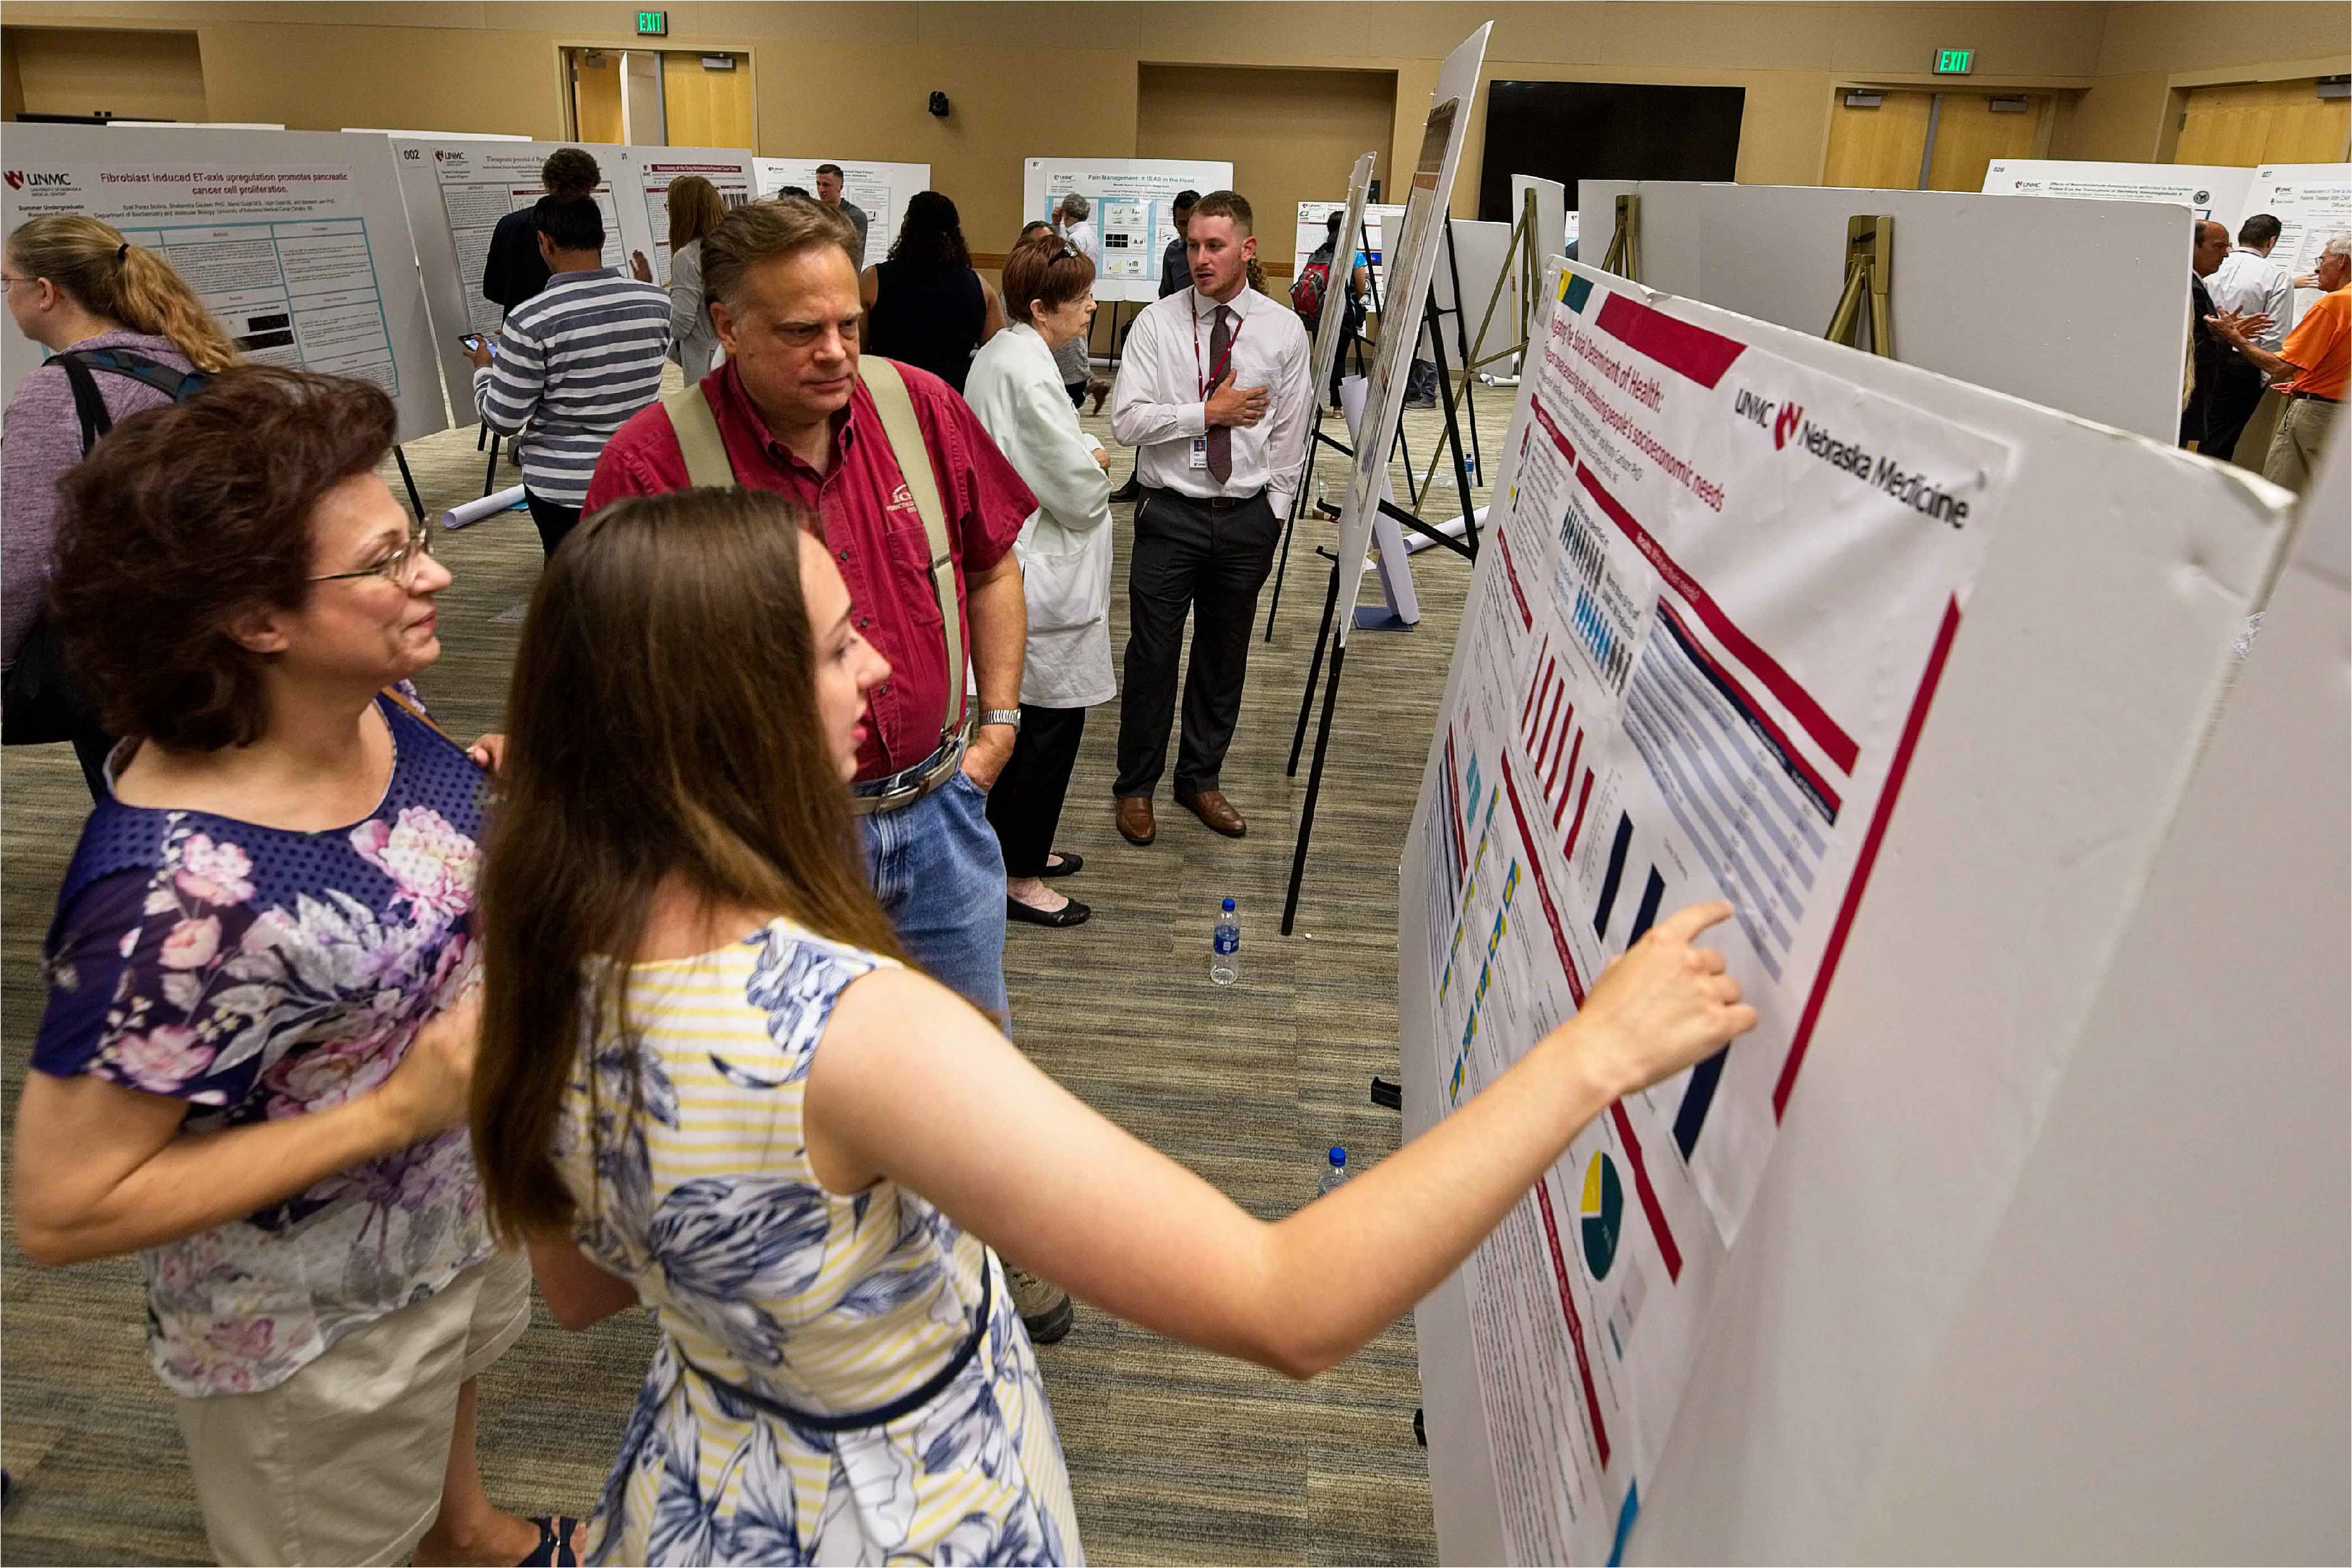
1220	436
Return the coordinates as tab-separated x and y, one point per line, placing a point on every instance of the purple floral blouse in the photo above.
255	973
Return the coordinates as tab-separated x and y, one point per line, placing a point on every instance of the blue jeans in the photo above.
939	876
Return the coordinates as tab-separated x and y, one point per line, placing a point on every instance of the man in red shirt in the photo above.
794	417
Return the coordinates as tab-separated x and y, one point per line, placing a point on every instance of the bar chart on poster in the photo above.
651	170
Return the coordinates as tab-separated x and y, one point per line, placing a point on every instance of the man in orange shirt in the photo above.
2310	368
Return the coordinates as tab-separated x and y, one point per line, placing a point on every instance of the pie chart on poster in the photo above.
1601	1215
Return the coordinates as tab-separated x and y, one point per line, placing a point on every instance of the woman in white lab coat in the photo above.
1016	391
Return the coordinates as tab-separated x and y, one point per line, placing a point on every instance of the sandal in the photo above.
554	1548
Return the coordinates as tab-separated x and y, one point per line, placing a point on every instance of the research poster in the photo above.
651	169
296	241
1315	216
1131	203
1727	587
878	190
2209	191
1332	323
1410	266
457	191
2311	203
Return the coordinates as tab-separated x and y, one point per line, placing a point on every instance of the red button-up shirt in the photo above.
867	519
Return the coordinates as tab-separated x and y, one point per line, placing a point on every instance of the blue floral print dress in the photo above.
258	973
840	1379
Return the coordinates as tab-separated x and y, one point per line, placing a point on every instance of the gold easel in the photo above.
1625	254
1869	279
1520	251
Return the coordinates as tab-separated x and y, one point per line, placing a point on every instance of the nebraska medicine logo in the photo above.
1781	419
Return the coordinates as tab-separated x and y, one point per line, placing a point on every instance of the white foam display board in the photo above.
1552	212
2208	190
2103	341
1479	250
456	191
651	170
434	135
1130	202
297	240
2153	1364
877	189
1411	260
1963	1034
1332	323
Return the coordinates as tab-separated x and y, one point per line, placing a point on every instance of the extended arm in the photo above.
2231	327
908	1079
1136	419
101	1169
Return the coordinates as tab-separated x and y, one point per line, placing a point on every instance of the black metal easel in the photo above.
1329	635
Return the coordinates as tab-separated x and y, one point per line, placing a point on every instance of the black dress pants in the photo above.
1208	559
1025	806
2232	404
554	519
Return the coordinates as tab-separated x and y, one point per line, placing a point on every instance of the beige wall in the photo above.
131	75
1062	79
1292	136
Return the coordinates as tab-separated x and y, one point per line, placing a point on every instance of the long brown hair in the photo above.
108	276
694	210
662	719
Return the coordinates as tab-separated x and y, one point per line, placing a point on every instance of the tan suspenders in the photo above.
706	465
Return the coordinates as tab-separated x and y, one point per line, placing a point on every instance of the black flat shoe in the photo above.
1071	914
1071	865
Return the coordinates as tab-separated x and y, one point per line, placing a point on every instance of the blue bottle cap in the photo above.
1229	906
1338	1156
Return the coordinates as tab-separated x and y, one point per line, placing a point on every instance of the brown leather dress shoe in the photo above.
1216	813
1135	823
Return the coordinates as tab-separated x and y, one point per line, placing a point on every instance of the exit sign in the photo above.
656	25
1948	62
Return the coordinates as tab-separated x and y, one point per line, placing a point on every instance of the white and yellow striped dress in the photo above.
827	1388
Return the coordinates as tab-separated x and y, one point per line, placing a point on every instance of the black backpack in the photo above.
44	703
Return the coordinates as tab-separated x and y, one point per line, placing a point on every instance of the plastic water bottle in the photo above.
1225	947
1335	1173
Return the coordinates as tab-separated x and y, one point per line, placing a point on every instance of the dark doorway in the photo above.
1572	131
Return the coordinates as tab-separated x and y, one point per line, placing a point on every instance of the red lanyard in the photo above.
1218	369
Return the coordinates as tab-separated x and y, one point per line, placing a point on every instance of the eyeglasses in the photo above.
8	282
399	568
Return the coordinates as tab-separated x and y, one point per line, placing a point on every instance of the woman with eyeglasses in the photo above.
253	1065
125	332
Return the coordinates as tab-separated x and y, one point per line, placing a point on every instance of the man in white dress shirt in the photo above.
2249	282
1078	228
1212	393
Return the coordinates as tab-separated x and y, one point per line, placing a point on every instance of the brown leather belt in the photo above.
2313	397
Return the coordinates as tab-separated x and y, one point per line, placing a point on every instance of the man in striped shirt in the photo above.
572	363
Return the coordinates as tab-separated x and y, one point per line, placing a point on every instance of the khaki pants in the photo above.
344	1462
2302	436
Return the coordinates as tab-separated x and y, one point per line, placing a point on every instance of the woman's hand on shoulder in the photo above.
489	753
1659	1006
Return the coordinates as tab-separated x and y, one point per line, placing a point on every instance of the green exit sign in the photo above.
1948	62
656	25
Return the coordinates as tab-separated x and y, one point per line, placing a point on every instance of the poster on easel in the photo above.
296	241
2312	203
2210	191
880	191
457	191
1411	265
1131	203
1332	325
651	170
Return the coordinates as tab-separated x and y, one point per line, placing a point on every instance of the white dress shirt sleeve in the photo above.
1148	405
2278	304
1286	436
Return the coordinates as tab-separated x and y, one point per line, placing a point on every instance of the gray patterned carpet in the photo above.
1177	1456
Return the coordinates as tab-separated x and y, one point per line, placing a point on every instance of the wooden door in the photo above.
1969	134
596	95
2263	122
707	107
1879	147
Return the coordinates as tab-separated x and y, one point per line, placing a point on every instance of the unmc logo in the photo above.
1785	425
16	179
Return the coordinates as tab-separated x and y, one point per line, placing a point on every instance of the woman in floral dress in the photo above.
710	1081
253	1065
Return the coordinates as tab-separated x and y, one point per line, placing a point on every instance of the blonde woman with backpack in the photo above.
125	333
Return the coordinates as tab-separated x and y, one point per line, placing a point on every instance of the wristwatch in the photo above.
1011	715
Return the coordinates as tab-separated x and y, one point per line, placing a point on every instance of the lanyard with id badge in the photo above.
1200	453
